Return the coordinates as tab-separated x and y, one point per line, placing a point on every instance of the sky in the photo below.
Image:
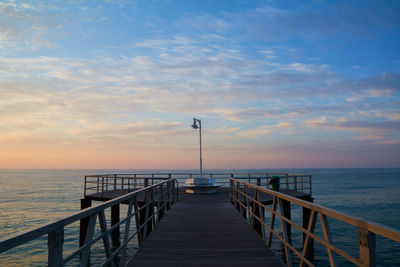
276	84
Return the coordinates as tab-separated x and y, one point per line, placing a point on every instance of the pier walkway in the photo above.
204	230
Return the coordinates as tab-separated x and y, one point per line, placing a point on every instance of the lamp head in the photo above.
194	125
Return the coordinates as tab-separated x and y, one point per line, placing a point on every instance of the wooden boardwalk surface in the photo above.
204	230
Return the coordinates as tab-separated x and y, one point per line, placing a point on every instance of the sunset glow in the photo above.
116	84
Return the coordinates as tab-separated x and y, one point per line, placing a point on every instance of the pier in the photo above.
204	230
161	226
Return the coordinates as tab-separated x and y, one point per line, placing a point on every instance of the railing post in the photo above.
237	201
115	182
230	189
295	183
367	245
288	214
102	186
285	234
168	195
83	225
308	242
55	245
302	183
287	181
84	192
245	203
115	218
257	212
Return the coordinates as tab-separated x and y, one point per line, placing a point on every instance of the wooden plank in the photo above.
204	230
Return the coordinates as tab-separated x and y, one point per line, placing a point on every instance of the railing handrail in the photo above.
17	239
382	230
240	197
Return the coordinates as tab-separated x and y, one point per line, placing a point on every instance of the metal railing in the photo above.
252	207
98	184
290	181
146	207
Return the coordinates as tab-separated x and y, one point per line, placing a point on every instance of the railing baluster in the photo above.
328	237
285	234
126	234
272	223
137	222
106	239
146	216
308	239
89	236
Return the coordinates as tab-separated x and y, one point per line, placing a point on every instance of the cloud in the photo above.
240	115
316	122
26	27
266	130
63	90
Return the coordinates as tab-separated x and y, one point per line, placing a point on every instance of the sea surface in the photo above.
30	198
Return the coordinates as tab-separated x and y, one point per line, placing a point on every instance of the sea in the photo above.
30	198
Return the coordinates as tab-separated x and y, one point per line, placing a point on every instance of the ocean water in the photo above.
29	198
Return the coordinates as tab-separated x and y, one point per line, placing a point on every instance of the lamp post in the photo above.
200	185
195	126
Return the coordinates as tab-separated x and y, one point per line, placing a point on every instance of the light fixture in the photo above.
194	125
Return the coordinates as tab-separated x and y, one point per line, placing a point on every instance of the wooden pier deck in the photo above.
204	230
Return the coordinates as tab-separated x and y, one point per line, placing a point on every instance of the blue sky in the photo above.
115	84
